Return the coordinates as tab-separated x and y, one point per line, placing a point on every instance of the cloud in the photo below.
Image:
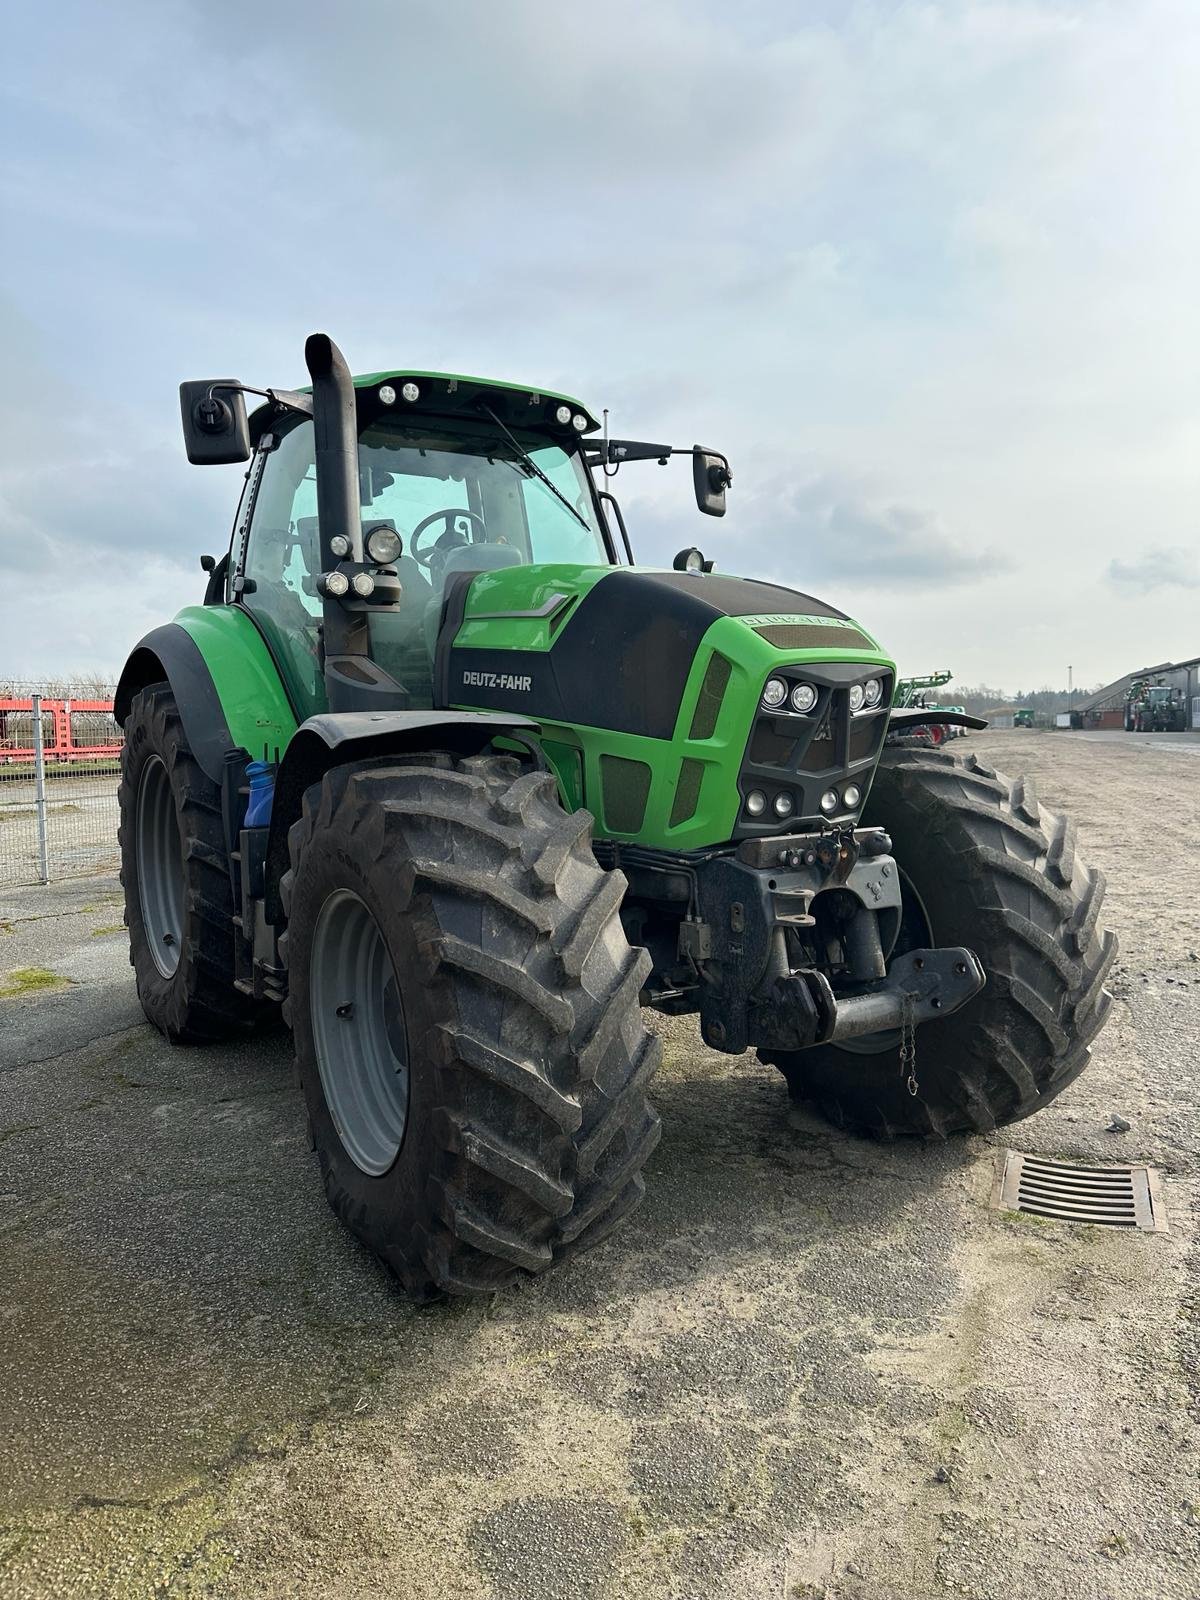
889	257
828	528
1158	567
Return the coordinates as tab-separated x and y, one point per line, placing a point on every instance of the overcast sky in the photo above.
927	272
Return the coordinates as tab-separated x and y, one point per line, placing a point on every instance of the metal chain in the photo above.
908	1045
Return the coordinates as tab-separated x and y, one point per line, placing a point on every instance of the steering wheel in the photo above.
424	557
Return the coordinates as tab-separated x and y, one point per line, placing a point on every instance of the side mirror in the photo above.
215	429
711	476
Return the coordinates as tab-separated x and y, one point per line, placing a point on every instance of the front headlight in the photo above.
384	545
774	694
857	696
872	693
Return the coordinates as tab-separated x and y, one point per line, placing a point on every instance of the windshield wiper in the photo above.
536	470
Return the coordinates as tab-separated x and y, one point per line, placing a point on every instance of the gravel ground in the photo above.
807	1367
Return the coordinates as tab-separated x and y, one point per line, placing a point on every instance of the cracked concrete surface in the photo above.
808	1366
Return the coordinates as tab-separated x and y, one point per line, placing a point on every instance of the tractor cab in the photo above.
453	476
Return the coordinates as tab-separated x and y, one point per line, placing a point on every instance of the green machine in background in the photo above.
439	771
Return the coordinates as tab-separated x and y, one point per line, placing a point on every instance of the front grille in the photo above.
804	755
812	636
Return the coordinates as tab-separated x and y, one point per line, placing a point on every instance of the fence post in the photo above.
39	778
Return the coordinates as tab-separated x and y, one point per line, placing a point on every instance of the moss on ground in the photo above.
30	980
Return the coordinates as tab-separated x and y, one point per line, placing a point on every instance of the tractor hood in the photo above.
617	644
647	669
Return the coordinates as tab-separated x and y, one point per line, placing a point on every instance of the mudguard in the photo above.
921	717
170	654
332	739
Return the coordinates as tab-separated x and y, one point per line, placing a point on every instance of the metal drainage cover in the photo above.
1112	1197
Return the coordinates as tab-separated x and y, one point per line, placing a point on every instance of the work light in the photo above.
384	545
563	415
363	584
335	583
852	796
387	395
756	802
829	801
410	392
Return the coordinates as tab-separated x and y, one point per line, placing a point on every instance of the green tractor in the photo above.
1152	706
439	771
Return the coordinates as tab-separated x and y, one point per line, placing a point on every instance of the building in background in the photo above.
1105	708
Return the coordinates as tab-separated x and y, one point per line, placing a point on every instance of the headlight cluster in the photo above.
778	695
783	805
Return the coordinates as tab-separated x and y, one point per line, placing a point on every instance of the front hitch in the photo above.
921	985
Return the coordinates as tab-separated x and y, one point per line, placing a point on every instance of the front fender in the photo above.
332	739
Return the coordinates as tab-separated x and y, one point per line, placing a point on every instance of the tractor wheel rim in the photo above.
359	1032
160	867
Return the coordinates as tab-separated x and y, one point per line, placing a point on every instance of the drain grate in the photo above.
1112	1197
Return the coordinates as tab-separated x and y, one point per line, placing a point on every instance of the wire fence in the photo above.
60	762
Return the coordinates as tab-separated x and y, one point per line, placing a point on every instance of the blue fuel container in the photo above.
262	792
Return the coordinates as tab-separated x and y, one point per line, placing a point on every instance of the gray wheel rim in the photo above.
358	1032
160	867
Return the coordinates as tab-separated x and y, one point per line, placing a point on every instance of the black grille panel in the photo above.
712	693
812	636
626	786
687	792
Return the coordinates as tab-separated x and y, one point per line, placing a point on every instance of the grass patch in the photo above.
30	980
117	927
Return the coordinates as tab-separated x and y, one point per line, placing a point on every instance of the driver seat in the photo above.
467	558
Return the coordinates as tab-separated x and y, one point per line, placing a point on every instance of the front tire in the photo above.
465	1011
990	869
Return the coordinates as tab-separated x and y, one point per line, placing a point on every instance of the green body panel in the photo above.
245	677
575	751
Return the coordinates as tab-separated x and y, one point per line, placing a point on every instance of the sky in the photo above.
927	273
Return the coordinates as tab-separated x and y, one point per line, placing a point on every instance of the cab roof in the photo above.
452	394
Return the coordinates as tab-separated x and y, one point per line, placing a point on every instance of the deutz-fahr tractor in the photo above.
439	771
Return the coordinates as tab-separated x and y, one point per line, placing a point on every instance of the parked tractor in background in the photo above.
1152	706
436	769
1023	717
914	694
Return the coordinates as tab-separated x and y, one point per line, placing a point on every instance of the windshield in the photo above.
445	491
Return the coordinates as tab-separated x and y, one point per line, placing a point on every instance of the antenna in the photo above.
604	459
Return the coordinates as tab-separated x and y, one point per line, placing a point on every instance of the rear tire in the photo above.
488	933
174	869
996	872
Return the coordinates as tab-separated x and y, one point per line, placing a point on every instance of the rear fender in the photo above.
170	655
